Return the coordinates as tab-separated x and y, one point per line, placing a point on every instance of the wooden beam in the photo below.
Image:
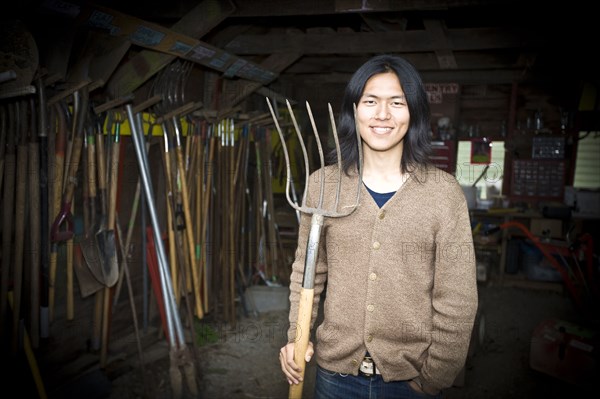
502	76
141	67
444	54
274	8
267	92
378	24
236	91
378	42
422	61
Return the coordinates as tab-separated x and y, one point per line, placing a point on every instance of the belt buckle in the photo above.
367	367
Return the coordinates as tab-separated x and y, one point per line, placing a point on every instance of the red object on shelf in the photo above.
565	351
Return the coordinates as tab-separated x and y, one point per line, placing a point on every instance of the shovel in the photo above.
105	237
98	246
89	248
88	272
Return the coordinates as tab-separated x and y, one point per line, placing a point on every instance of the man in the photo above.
400	270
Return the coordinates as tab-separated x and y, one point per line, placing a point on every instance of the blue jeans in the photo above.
331	385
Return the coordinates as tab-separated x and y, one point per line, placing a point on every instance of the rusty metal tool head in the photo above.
319	209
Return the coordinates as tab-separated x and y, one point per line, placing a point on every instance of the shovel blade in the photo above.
92	257
108	253
88	283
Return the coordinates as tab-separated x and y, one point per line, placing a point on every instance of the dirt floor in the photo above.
242	362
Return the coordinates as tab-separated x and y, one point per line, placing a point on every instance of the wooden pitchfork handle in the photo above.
305	305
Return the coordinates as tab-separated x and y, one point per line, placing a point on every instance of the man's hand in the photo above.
415	387
288	366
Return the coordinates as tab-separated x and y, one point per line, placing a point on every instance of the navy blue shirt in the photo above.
380	198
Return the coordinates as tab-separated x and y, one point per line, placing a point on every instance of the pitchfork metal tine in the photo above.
338	156
288	169
319	209
321	157
304	152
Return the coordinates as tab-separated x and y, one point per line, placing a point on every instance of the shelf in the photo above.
495	246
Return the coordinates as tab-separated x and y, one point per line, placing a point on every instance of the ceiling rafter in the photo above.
377	42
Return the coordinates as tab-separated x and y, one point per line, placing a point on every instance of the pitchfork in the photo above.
318	216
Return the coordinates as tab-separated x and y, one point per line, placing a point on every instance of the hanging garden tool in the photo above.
191	247
89	273
38	156
57	143
98	245
20	218
137	110
319	213
105	237
170	84
58	233
176	251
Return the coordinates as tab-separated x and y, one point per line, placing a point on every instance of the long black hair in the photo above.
417	143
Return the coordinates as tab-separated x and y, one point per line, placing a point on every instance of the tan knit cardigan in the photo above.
401	280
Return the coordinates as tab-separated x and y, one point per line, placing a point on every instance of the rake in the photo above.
319	213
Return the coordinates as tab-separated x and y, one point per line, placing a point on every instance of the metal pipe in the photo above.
173	319
147	184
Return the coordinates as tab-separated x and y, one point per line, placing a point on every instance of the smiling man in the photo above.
399	308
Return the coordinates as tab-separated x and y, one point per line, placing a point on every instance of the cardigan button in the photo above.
376	245
369	338
354	362
381	214
372	276
370	308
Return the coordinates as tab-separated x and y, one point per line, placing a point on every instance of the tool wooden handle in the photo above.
35	229
59	163
189	233
171	224
172	253
305	307
100	161
91	165
19	237
114	175
73	168
51	280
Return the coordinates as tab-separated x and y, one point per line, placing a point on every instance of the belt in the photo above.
368	368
